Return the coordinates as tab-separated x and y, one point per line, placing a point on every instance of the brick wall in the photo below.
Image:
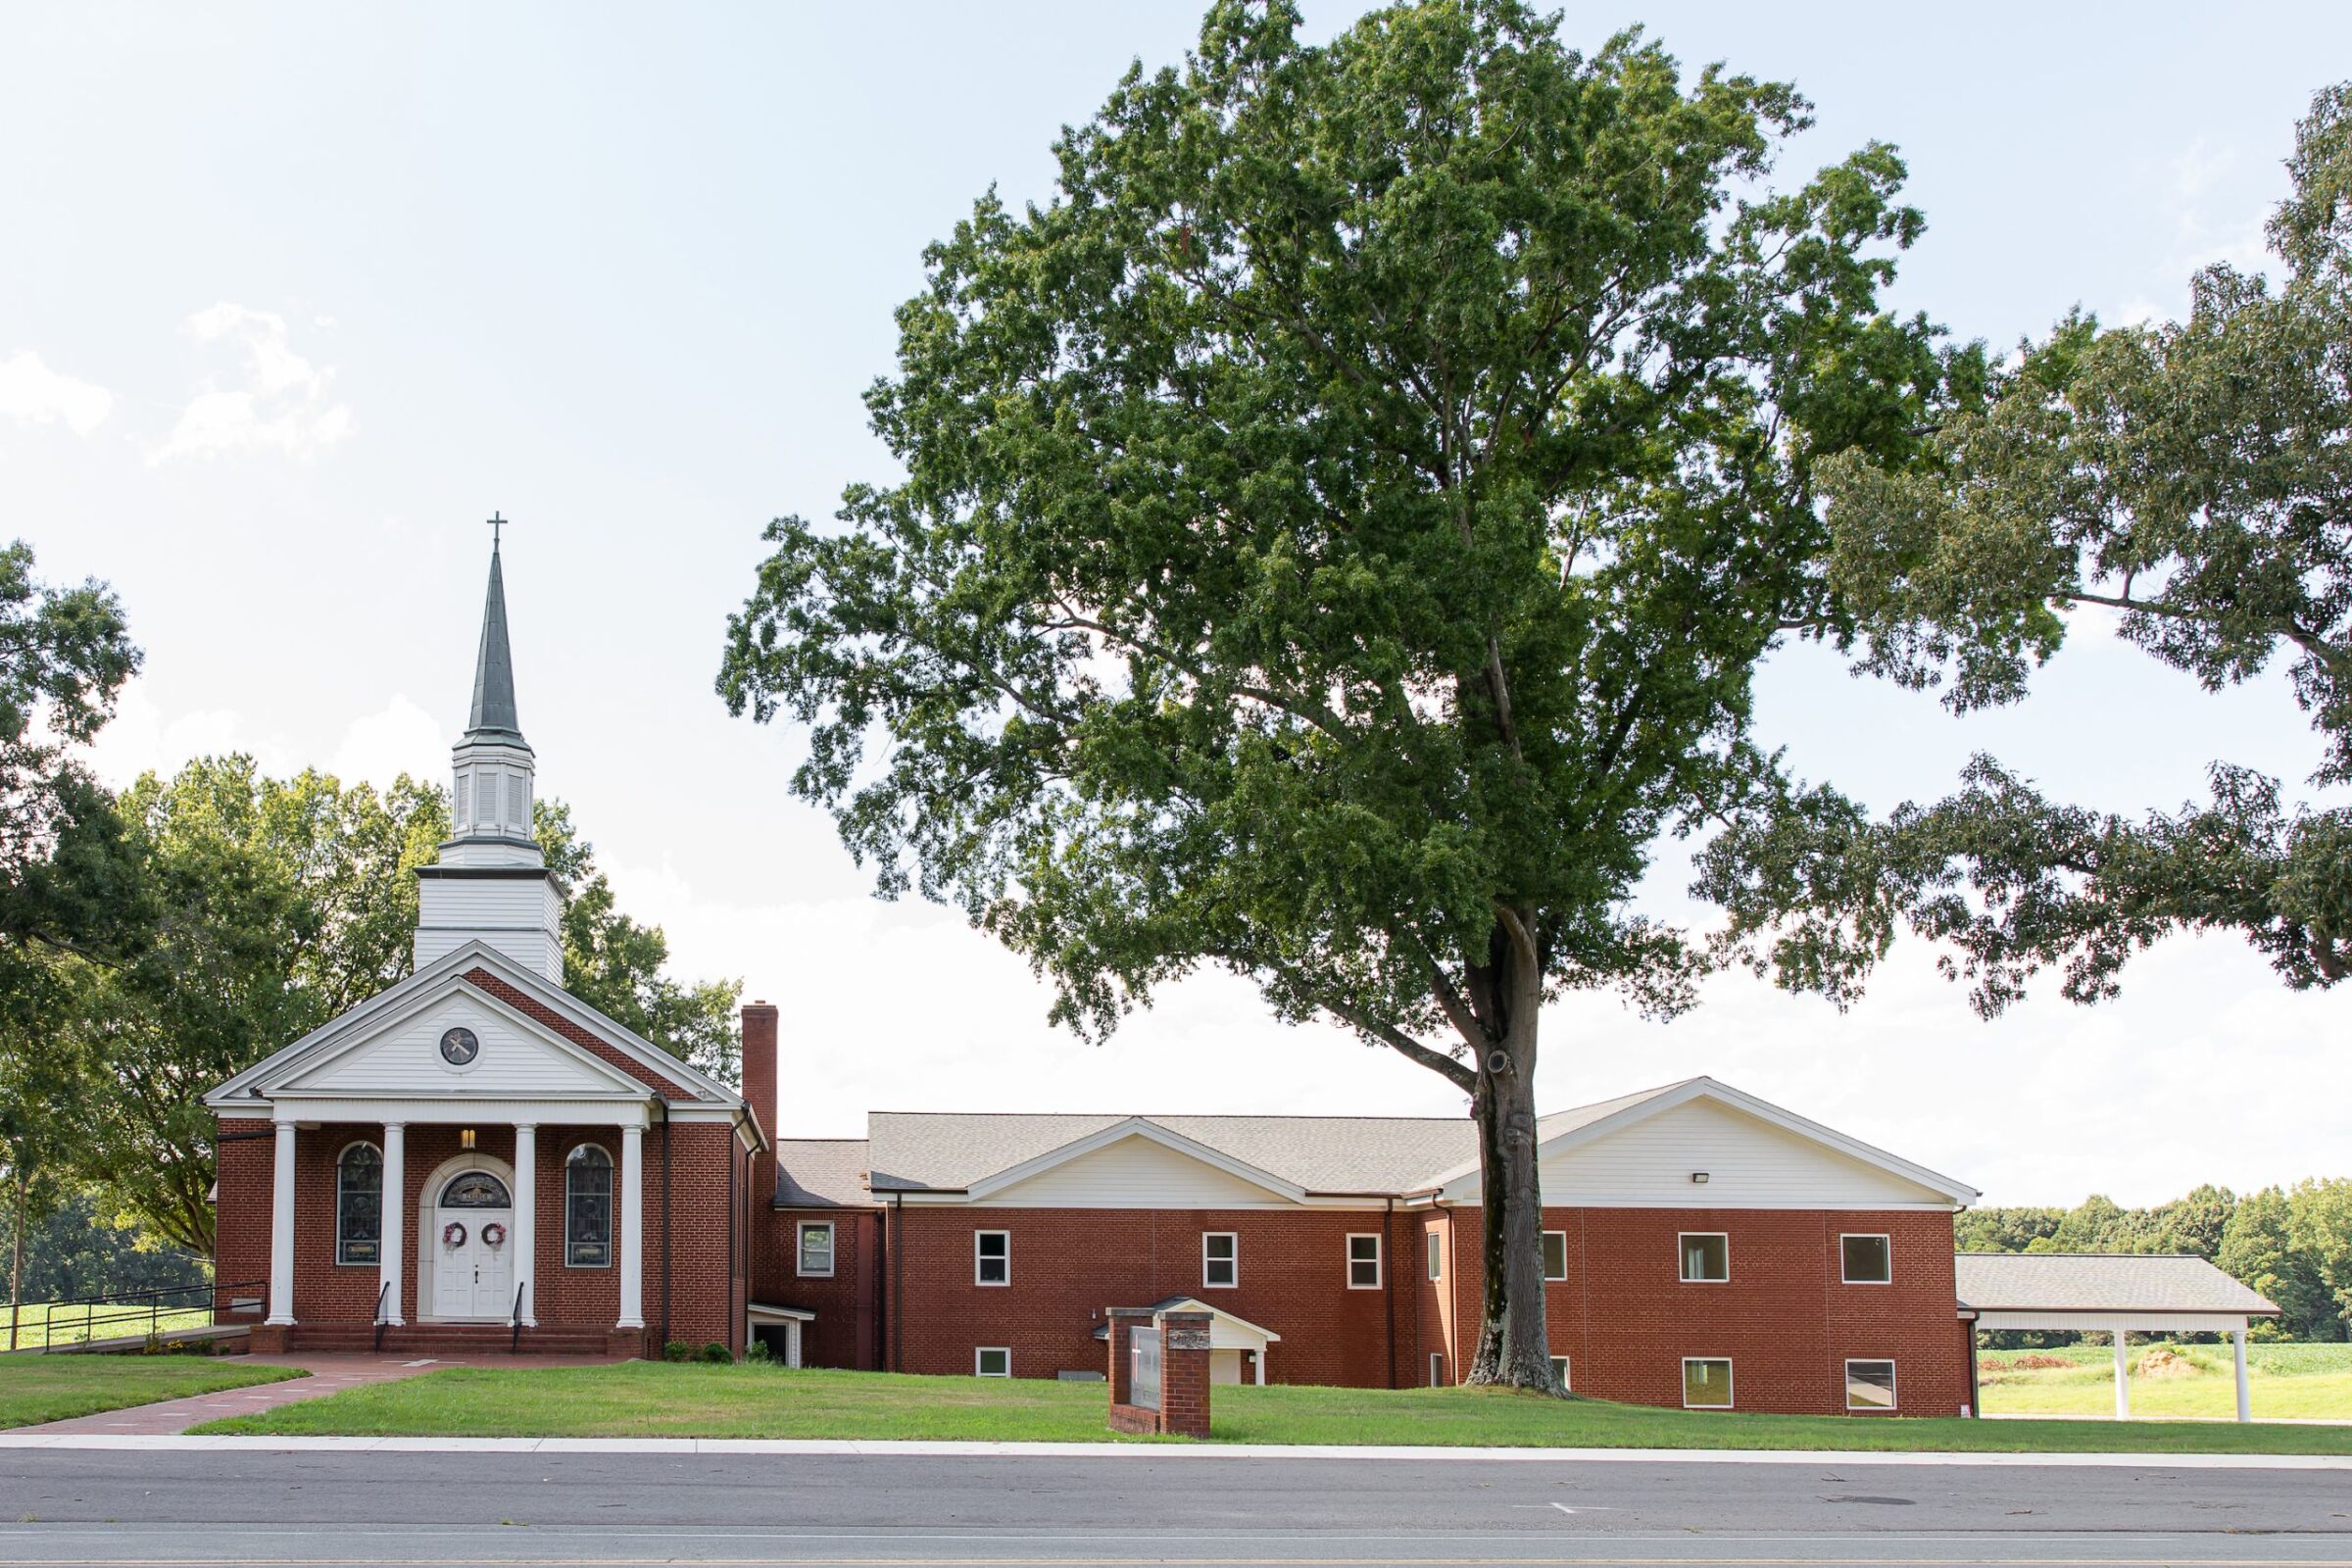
847	1306
1068	1265
1626	1319
243	1164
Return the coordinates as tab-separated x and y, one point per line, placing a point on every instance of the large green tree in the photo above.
1337	533
280	904
2190	484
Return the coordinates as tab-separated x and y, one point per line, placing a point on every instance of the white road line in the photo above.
1168	1451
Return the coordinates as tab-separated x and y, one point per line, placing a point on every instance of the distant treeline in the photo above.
2292	1244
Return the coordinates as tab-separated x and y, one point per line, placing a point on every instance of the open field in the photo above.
52	1388
70	1325
653	1399
2286	1381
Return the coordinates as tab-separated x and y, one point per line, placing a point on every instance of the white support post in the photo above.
2123	1374
2237	1344
281	1231
391	1244
633	1228
1262	1367
526	1221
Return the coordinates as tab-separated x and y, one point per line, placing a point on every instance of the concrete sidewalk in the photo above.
329	1374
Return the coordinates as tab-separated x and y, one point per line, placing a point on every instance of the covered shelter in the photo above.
2112	1293
1231	1340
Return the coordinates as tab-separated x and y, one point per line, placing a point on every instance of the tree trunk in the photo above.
16	1264
1514	1341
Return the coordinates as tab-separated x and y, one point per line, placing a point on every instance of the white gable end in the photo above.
1749	1162
1134	1172
404	1059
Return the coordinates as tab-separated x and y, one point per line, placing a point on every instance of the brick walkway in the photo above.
329	1374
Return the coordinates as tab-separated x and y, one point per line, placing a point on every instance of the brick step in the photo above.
448	1339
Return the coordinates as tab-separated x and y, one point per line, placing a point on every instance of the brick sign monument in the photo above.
1159	1371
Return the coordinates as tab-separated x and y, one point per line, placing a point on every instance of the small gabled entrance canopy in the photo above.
779	1328
1229	1338
2110	1294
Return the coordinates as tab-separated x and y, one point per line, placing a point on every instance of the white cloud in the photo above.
283	403
402	739
31	393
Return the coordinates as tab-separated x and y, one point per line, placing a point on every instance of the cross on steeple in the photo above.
496	523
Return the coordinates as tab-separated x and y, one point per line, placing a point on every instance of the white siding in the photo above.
1751	1163
406	1060
1135	1173
520	916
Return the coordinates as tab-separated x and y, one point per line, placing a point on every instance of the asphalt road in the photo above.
101	1507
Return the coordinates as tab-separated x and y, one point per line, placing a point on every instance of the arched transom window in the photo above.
360	1205
476	1189
588	1209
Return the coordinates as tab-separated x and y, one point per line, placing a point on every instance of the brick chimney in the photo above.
760	1083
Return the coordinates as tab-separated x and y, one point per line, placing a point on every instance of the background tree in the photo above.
281	904
2191	481
1338	534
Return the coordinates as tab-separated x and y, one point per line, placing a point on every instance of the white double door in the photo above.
474	1249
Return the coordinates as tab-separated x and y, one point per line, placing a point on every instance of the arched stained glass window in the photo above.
360	1205
588	1209
476	1189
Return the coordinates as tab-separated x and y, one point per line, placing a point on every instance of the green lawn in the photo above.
652	1400
74	1324
52	1388
2304	1381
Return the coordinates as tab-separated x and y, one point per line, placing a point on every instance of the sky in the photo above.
293	297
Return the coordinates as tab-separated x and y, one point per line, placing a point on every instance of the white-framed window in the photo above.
588	1209
1437	1254
1706	1257
991	1361
1707	1382
1555	1256
360	1206
1559	1370
1220	1261
816	1249
1870	1384
992	1258
1866	1260
1437	1369
1363	1261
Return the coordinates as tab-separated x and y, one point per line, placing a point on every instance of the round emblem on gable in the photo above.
459	1047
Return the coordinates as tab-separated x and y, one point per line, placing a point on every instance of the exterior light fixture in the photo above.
1699	1176
466	1141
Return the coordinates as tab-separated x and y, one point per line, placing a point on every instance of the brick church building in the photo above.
474	1158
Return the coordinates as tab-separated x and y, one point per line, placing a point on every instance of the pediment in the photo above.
1137	1164
399	1056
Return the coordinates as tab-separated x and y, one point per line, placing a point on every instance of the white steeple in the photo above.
491	882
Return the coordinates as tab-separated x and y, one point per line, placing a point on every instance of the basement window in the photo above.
1866	1260
1706	1257
1559	1371
1870	1384
1706	1383
992	1261
816	1249
1220	1261
1437	1369
991	1361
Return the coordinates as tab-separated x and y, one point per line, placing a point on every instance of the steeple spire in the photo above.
494	666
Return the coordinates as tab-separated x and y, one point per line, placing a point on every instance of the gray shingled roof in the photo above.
2084	1282
947	1151
821	1174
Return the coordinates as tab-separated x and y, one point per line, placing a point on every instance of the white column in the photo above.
2122	1375
2238	1344
633	1228
392	1248
1262	1367
282	1230
526	1220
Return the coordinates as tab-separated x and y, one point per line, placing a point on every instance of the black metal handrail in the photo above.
515	1319
383	1294
120	1309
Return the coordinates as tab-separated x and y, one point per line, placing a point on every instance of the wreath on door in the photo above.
494	1234
453	1234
